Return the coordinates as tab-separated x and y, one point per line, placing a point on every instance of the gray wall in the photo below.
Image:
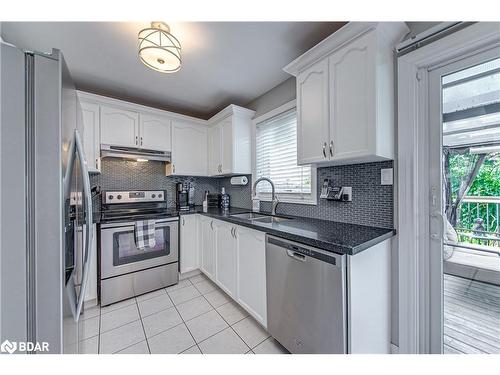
277	96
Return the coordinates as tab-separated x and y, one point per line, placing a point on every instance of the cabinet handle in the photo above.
212	225
141	141
234	232
96	163
183	221
324	149
136	140
331	148
173	168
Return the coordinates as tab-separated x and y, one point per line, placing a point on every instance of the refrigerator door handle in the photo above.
88	224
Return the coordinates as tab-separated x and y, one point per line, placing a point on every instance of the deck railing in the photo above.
485	208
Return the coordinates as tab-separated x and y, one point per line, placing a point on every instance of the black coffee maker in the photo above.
182	199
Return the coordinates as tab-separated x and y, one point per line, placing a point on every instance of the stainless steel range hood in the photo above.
138	154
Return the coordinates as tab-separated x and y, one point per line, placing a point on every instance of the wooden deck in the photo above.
471	316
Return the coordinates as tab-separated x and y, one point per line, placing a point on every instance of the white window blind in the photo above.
276	156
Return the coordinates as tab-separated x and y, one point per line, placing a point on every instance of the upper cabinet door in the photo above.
119	127
214	150
155	133
189	149
227	146
313	114
353	99
91	135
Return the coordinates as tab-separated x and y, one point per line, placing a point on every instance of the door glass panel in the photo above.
471	196
125	251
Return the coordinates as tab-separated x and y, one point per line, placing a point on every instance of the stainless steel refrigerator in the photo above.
46	205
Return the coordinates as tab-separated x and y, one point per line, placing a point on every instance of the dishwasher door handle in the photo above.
297	256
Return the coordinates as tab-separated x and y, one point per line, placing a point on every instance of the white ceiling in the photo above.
223	63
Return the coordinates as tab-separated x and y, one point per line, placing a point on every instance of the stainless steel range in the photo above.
125	270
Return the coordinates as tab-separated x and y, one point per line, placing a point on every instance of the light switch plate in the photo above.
386	176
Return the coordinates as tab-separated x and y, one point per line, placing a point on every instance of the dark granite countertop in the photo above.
342	238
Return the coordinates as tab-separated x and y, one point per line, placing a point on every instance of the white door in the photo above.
225	257
91	135
352	99
214	150
313	114
119	127
464	271
189	244
155	133
251	272
207	246
189	149
227	146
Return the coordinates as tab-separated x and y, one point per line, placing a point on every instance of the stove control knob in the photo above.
110	197
119	196
153	195
159	195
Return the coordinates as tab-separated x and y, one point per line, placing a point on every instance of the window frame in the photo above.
296	198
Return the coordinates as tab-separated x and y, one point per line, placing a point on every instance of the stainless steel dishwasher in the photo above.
306	297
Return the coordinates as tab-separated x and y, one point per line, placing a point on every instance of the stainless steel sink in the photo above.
248	216
259	218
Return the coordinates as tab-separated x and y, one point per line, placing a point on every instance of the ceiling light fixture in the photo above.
158	49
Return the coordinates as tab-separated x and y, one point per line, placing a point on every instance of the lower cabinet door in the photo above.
225	257
189	245
207	246
251	271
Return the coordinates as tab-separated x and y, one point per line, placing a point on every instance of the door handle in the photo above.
439	215
88	224
324	149
331	148
297	256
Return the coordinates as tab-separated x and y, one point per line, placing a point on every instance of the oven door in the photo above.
119	255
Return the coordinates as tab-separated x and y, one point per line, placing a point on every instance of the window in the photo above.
276	158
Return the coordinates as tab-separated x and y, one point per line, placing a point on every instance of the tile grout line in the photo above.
231	326
183	322
142	325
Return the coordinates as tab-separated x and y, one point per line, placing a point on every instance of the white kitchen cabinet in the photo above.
119	127
229	145
154	132
251	272
345	95
225	257
189	244
91	135
312	114
207	246
214	150
189	149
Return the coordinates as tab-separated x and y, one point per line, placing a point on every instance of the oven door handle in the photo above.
88	224
128	228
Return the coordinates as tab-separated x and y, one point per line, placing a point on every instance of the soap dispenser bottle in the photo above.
224	199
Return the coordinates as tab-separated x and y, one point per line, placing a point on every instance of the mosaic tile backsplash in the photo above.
372	203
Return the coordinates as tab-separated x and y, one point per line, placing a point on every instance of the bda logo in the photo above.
8	347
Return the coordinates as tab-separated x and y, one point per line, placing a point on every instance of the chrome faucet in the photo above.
274	198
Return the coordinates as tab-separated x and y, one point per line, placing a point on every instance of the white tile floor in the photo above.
192	317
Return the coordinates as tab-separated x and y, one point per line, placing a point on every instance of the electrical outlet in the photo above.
386	176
